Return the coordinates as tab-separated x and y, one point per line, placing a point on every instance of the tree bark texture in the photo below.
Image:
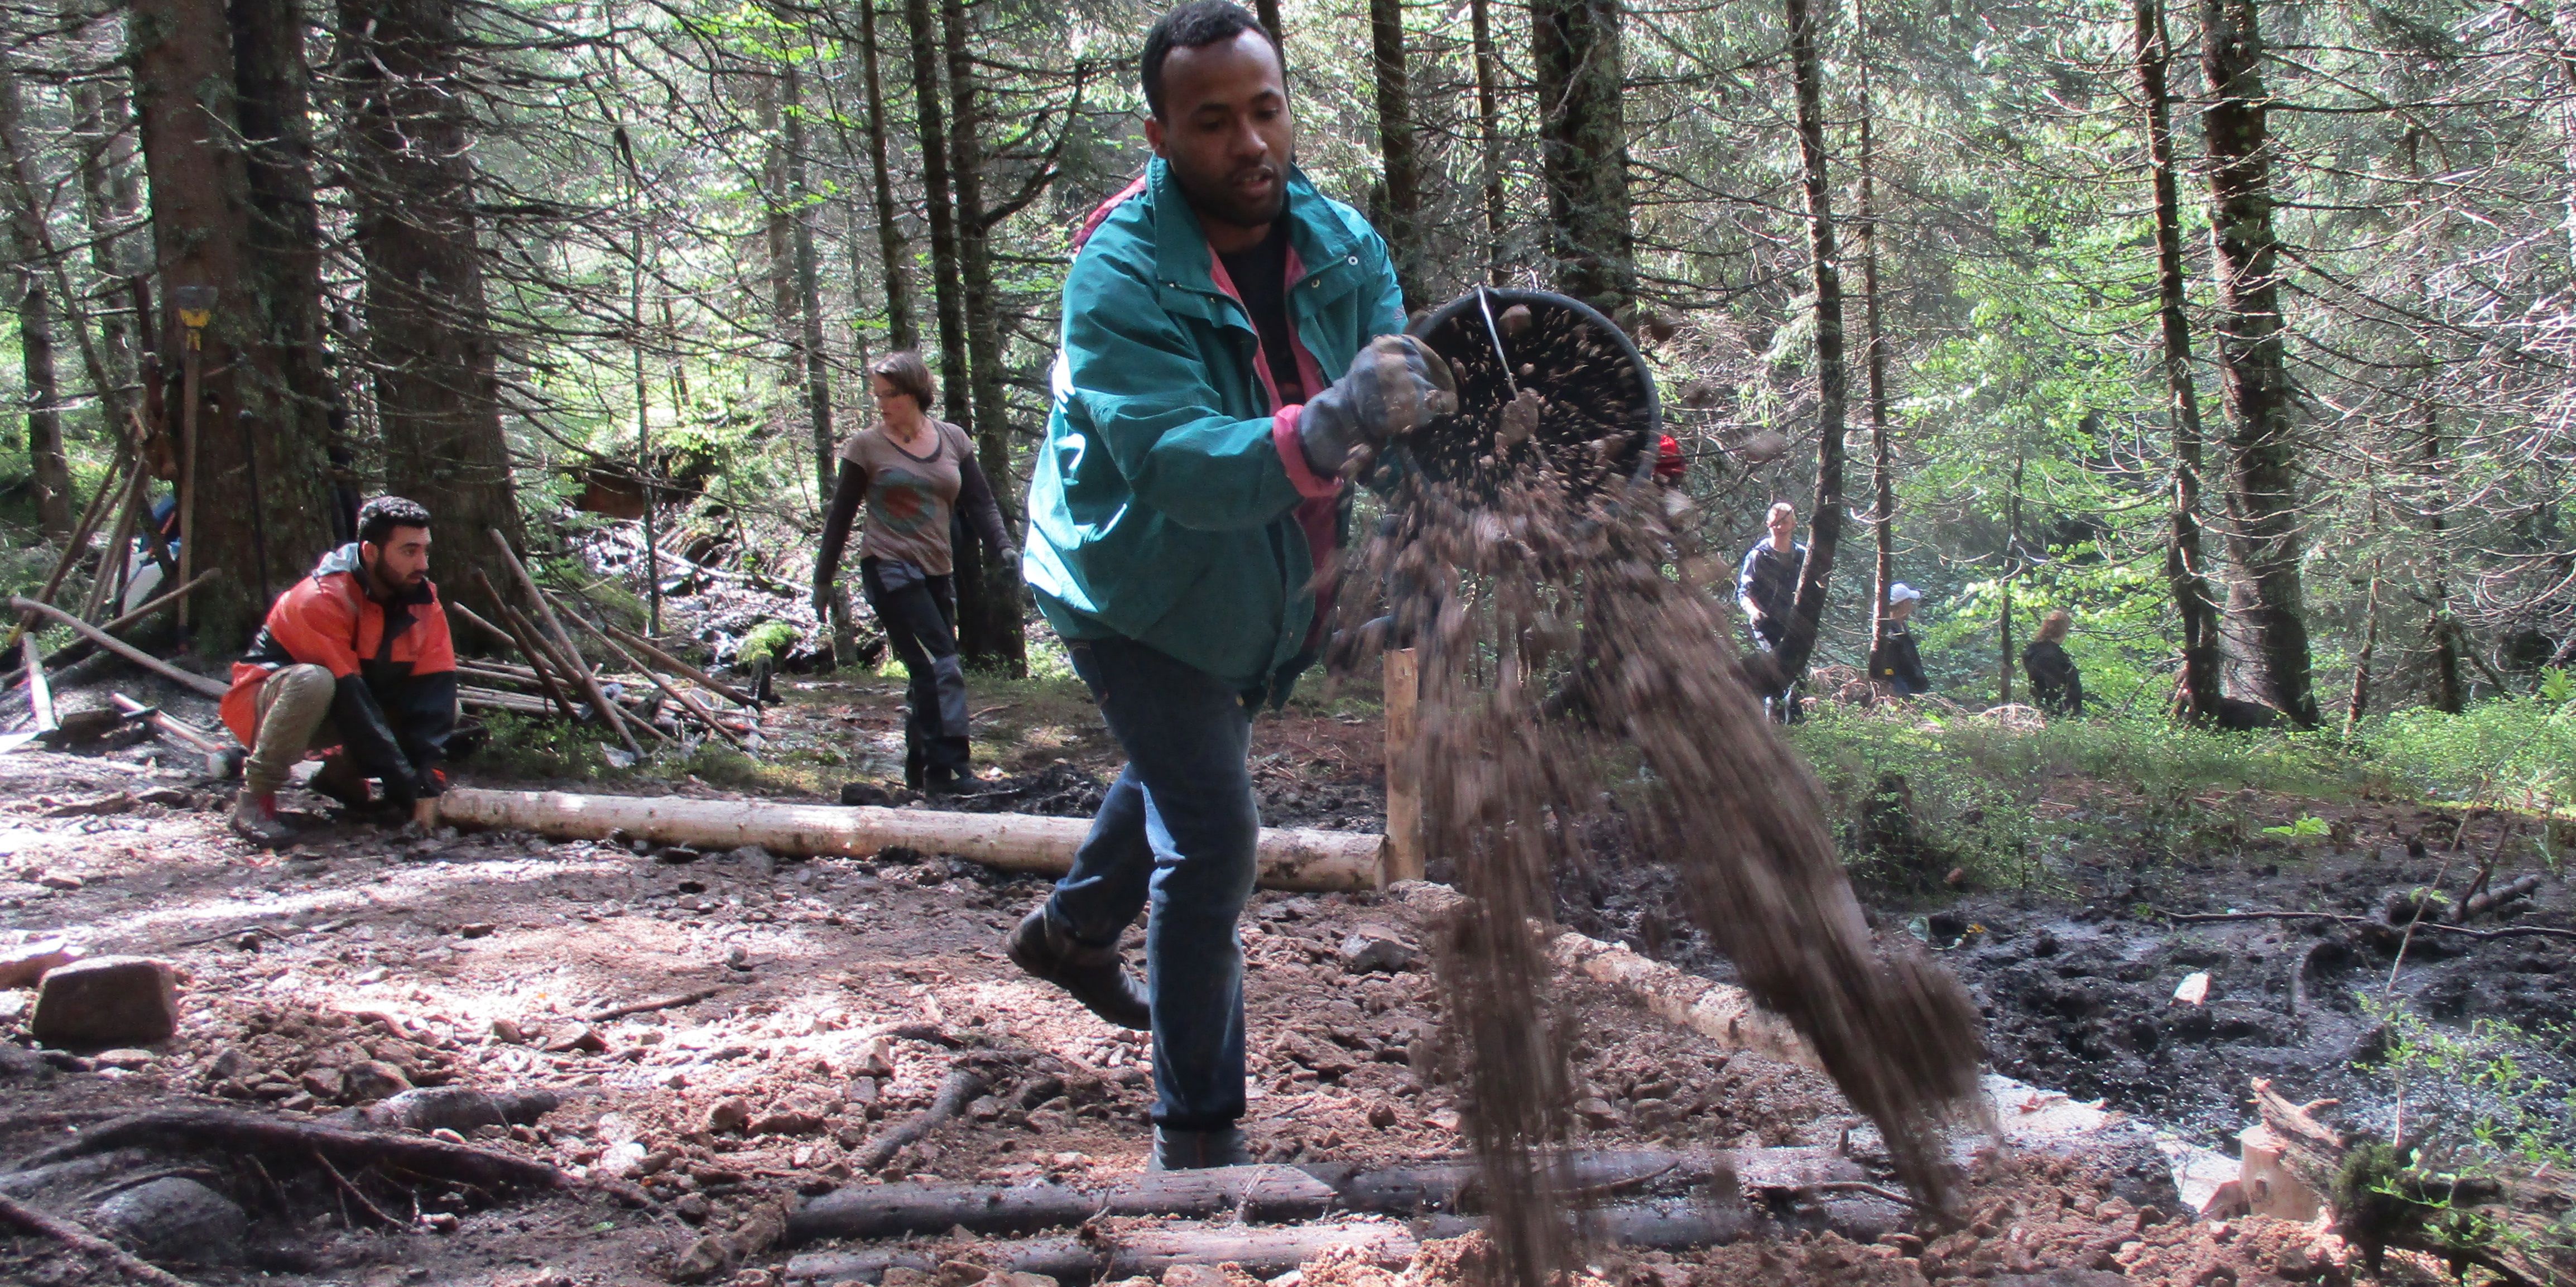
808	342
931	115
1268	12
1396	146
431	349
2440	638
263	474
1882	466
1583	151
111	198
990	631
50	468
1489	131
2185	578
274	84
1815	577
2264	529
902	329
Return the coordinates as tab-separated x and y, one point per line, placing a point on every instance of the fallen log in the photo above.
1289	859
1274	1194
2511	1224
1262	1251
1107	1251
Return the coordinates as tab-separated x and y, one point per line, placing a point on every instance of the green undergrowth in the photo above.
2513	752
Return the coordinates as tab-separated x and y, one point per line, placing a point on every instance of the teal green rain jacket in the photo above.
1171	503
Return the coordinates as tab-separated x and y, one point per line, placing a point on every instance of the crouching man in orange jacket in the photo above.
355	662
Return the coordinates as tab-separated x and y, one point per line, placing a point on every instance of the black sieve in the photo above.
1600	418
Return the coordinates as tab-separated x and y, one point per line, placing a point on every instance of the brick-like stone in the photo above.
109	1001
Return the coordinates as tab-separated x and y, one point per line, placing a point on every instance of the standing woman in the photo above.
913	473
2056	686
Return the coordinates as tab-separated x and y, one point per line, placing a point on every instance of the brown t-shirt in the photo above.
909	498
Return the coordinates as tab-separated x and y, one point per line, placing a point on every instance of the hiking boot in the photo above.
866	793
1176	1150
254	818
1094	975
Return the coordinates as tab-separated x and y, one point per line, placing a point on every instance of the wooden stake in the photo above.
688	703
1289	859
1405	859
40	695
526	646
702	678
608	712
192	363
199	683
111	560
162	721
77	545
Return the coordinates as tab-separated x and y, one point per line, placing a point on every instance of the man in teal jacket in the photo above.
1188	490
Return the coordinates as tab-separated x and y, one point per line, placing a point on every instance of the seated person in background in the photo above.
1893	660
2056	686
355	661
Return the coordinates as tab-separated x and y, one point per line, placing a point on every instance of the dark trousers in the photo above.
919	618
1179	831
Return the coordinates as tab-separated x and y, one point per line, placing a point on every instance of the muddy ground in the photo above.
807	1007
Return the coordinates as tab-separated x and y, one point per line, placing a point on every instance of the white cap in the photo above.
1900	592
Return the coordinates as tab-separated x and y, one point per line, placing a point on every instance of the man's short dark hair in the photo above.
378	518
1197	25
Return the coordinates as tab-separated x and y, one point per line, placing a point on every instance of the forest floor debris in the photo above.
787	1017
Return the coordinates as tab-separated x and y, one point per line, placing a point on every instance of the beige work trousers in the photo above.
294	717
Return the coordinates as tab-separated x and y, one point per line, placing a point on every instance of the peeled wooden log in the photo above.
1262	1251
1273	1194
1295	859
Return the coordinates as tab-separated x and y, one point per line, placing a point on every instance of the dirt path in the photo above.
831	999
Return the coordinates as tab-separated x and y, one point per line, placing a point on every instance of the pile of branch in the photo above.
641	693
2521	1227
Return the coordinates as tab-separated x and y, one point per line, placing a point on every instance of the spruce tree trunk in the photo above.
111	197
1815	576
432	354
1268	12
811	357
1489	131
1881	450
2439	634
2185	580
931	116
2264	536
1583	151
1396	151
263	475
990	633
51	470
2359	706
903	331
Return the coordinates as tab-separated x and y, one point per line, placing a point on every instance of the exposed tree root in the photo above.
86	1243
964	1083
233	1129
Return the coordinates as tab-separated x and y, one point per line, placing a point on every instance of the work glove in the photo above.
1007	558
1395	386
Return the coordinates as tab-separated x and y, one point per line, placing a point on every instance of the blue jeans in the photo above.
1179	830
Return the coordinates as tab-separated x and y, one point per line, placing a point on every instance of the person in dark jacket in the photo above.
2056	686
1766	588
1894	660
912	472
1231	337
354	661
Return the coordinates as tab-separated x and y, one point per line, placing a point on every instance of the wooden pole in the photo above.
688	703
199	683
111	560
192	364
161	604
608	712
1405	859
40	695
72	549
1289	859
527	647
702	678
178	729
